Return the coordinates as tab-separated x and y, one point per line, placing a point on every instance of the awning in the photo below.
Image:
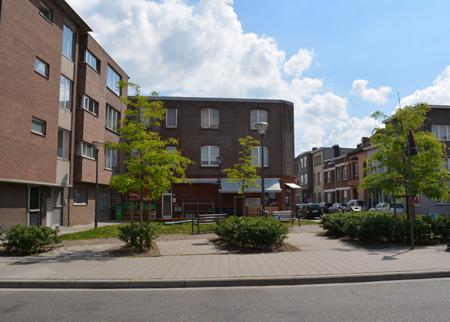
293	185
270	185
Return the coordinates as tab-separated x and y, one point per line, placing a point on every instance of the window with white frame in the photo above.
442	132
41	67
112	120
301	163
87	150
92	60
304	162
306	179
257	116
65	93
89	104
338	174
256	156
80	195
210	156
113	80
171	117
67	42
110	159
344	172
38	126
210	118
63	145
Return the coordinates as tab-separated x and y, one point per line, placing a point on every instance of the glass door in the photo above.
34	206
167	205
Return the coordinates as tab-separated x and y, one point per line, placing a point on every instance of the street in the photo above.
416	300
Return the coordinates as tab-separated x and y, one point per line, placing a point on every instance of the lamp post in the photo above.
411	150
97	145
262	128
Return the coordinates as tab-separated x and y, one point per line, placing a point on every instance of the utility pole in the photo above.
411	150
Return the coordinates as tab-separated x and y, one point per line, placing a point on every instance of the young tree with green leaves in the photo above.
150	169
428	174
244	171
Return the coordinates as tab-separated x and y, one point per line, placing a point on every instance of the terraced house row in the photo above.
60	99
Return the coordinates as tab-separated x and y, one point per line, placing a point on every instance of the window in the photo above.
319	179
92	61
355	170
112	80
256	156
67	43
41	67
45	11
304	162
306	179
38	126
112	118
80	195
442	132
87	150
257	116
65	93
344	173
110	159
338	174
171	117
63	147
448	164
301	163
90	105
317	160
210	156
210	118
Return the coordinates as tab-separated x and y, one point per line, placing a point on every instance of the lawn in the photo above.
113	231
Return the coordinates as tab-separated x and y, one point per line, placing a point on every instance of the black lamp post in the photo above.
262	128
97	145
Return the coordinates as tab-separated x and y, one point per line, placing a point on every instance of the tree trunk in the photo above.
141	217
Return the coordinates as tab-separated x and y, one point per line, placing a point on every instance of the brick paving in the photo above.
318	256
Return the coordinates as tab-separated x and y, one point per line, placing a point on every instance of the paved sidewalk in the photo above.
319	259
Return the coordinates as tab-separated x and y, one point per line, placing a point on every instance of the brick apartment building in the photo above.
208	130
58	94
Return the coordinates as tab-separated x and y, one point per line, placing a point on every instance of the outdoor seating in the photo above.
205	219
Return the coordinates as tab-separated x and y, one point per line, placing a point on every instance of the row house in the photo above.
58	95
208	130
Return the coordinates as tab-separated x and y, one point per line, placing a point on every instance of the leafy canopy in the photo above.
388	166
150	169
244	171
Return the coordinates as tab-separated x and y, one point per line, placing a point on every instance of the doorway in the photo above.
167	205
54	207
34	206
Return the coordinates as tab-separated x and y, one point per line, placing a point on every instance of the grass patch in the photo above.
113	231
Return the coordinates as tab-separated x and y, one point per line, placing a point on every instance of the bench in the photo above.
284	216
205	219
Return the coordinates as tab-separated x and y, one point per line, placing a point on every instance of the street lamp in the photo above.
262	128
410	151
97	145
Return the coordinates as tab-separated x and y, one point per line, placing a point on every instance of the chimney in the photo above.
314	148
336	150
365	141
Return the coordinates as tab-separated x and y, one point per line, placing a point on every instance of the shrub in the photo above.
386	228
252	232
139	236
30	239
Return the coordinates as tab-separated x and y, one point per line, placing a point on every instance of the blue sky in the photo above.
337	60
403	44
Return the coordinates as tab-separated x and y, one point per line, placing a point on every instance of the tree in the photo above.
428	174
150	169
244	171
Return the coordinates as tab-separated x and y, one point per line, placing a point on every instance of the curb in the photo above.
225	282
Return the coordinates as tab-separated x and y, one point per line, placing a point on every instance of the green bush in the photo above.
30	239
382	227
139	236
251	232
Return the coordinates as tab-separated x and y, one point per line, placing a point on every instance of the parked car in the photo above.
337	207
387	207
325	207
357	205
311	210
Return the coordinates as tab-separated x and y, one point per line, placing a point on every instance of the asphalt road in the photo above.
419	300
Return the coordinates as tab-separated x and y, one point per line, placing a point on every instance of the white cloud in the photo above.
373	95
438	93
201	49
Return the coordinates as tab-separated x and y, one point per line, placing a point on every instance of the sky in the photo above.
338	61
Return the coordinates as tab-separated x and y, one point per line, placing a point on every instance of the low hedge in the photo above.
382	227
23	239
251	232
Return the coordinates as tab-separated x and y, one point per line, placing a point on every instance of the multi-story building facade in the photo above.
44	63
304	170
208	130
